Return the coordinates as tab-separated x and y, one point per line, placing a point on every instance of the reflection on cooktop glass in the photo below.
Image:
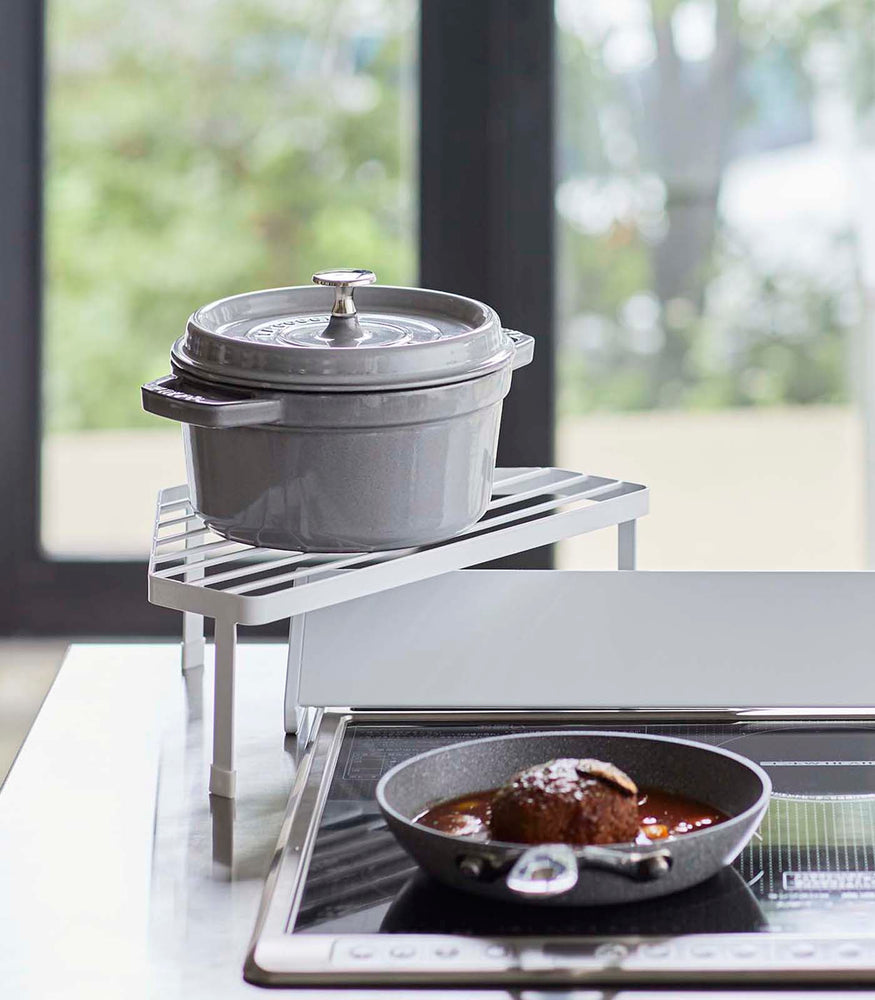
810	869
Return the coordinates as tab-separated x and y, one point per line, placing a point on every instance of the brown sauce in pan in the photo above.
660	815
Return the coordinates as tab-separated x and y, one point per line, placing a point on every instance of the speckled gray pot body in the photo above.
340	472
720	778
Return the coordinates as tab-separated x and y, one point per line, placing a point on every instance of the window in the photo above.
197	149
711	265
714	258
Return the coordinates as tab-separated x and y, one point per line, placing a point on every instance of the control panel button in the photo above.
849	950
446	951
497	951
655	951
802	953
361	951
703	950
402	951
745	951
612	952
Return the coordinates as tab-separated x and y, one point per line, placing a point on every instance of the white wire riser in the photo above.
197	571
191	568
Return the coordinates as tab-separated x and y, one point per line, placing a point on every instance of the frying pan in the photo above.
559	874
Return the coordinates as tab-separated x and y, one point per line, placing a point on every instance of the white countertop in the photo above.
117	878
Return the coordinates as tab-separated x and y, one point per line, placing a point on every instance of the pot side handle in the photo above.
523	346
171	398
553	869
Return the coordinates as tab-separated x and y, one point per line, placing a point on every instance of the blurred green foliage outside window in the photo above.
709	238
200	148
707	253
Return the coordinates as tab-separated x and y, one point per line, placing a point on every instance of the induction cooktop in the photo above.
344	904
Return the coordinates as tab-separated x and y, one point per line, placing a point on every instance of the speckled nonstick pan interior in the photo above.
586	876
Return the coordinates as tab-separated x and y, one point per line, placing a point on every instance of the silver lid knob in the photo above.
343	327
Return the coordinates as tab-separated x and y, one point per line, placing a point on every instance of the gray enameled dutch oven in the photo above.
370	425
577	876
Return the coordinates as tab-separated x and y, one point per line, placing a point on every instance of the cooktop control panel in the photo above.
349	905
741	953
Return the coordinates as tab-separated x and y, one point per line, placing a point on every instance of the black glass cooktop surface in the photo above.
809	870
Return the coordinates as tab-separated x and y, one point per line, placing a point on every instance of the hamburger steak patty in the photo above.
566	801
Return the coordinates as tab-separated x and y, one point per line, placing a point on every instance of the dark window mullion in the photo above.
486	188
21	48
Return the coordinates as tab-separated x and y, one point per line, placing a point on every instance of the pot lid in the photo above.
366	338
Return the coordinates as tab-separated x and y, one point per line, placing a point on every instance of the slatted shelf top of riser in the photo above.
192	568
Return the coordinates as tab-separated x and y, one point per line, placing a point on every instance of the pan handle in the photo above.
545	870
553	869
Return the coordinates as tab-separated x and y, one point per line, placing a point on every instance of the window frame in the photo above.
486	229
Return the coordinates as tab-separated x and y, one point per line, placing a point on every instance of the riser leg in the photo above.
223	777
192	624
626	544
